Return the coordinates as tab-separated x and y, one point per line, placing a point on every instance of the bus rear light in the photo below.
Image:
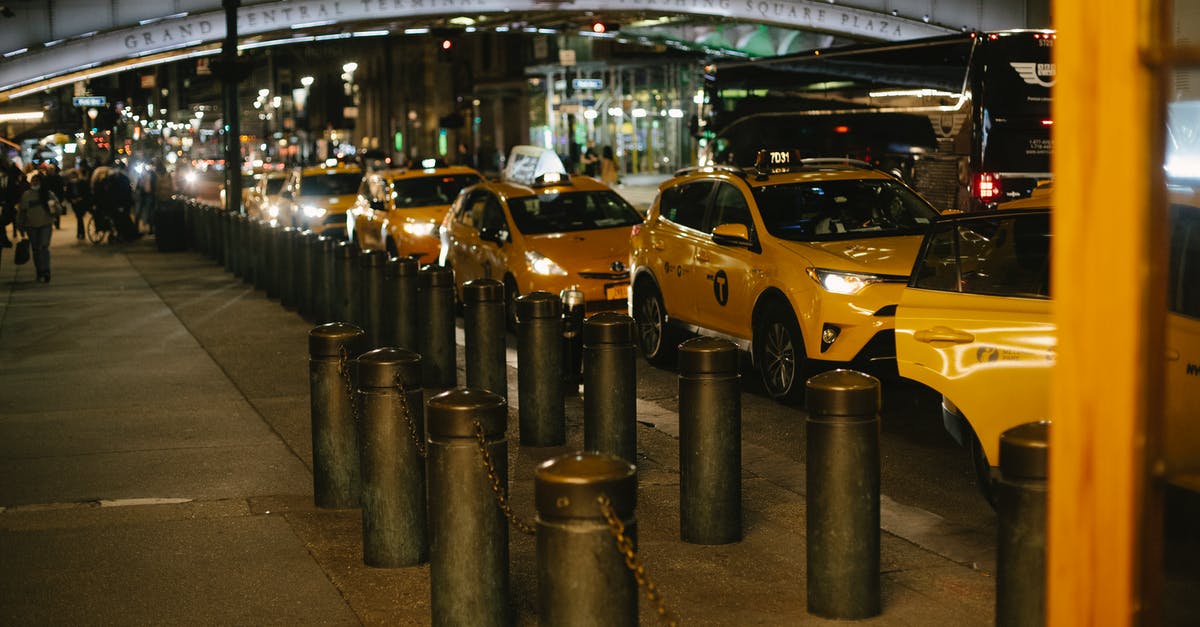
987	187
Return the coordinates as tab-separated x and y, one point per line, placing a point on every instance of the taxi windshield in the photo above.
571	211
341	184
429	190
842	209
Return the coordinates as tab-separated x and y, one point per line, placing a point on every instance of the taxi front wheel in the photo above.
779	353
653	333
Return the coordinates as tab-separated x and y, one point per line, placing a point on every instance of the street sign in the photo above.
90	101
587	83
566	57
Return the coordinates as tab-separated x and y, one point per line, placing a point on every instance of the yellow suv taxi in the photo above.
262	202
548	233
975	324
400	210
798	261
317	198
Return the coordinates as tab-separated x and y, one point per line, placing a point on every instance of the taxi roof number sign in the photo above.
777	161
526	164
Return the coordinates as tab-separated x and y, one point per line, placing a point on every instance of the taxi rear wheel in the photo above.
653	333
779	353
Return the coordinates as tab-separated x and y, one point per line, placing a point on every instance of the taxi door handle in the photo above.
703	258
658	247
1172	354
943	334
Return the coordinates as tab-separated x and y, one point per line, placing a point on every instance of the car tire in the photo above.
779	354
983	471
510	303
654	335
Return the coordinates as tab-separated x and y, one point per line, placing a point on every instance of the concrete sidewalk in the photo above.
155	467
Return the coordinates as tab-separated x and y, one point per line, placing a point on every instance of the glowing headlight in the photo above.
312	212
842	282
543	265
420	229
190	178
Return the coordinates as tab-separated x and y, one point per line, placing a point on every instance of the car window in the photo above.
472	210
1183	293
730	207
841	209
1003	256
430	190
492	218
340	184
685	204
571	211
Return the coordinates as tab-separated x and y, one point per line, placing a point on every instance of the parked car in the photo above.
400	210
318	197
798	261
976	325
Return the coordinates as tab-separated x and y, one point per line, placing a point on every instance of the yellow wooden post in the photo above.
1108	258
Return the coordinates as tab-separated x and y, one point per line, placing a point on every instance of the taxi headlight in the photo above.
312	212
419	229
842	282
543	265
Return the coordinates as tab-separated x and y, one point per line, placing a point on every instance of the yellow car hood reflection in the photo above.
583	251
882	255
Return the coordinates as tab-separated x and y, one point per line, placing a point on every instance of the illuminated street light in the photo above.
307	81
263	93
350	67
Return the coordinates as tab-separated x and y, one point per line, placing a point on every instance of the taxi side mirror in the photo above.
732	235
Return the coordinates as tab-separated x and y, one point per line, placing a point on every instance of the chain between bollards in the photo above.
344	370
406	412
501	495
625	547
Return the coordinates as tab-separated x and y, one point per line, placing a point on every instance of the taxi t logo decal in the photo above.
721	287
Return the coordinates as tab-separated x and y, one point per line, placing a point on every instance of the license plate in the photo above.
616	292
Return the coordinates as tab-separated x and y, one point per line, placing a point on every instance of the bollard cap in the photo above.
708	355
434	276
307	234
842	393
290	230
372	258
317	241
327	340
538	305
379	369
345	250
1023	451
569	486
608	327
402	267
483	291
452	413
327	244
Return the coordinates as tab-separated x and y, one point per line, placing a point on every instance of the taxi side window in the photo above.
1183	293
492	219
730	207
472	211
685	205
997	257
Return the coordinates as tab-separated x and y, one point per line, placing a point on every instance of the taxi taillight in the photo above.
987	186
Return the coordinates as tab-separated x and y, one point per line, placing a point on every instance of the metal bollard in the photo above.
582	576
274	246
710	442
843	495
391	444
336	481
287	288
323	277
372	265
235	245
483	326
241	260
306	269
573	302
542	417
468	535
228	245
296	276
247	256
435	298
400	303
1021	513
260	230
610	386
344	300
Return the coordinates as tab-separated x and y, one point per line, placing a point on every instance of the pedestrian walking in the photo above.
79	195
608	166
12	185
35	215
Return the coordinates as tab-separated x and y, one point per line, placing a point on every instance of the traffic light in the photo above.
600	27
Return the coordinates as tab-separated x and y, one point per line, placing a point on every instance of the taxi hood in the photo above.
879	255
584	251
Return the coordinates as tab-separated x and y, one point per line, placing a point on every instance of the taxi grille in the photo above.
606	276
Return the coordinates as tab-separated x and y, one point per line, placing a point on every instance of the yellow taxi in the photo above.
263	199
798	261
542	230
975	324
317	197
400	210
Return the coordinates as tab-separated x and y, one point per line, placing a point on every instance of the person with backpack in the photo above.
35	216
